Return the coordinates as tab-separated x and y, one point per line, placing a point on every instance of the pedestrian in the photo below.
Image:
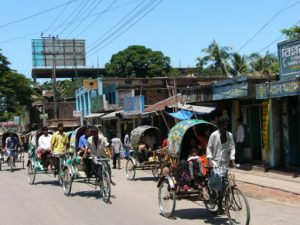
127	146
116	144
11	145
220	152
240	137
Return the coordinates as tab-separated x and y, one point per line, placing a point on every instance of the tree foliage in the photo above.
138	61
292	32
15	88
264	64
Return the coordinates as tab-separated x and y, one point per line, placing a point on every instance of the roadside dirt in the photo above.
269	194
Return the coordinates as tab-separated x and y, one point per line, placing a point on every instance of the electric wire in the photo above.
36	14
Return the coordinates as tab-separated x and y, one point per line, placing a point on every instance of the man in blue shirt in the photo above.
11	145
82	144
83	151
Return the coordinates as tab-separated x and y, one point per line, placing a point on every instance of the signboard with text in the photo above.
43	116
231	88
134	105
289	56
77	114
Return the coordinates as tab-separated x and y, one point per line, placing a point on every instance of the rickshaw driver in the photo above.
59	143
220	150
11	145
96	145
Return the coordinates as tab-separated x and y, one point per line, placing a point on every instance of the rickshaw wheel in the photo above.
31	173
0	164
67	182
10	162
130	169
166	199
23	163
105	187
212	203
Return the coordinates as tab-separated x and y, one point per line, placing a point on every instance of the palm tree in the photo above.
239	64
264	64
217	57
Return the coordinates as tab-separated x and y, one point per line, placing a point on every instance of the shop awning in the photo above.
94	115
197	109
112	115
182	115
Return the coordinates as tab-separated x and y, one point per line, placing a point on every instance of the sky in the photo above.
178	28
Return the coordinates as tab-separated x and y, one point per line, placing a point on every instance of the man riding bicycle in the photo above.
96	145
11	145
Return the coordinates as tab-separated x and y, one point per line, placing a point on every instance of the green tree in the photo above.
138	61
238	65
264	64
217	58
15	89
292	32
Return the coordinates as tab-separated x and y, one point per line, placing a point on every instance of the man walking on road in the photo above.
116	145
240	137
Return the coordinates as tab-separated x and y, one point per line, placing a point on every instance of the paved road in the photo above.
133	202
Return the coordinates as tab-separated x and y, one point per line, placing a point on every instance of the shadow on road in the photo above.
48	182
200	214
145	179
14	169
90	194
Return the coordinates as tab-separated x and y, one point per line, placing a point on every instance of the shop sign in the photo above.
134	105
289	56
277	89
229	90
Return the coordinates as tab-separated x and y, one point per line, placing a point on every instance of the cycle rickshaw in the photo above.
147	159
74	170
36	165
170	184
9	158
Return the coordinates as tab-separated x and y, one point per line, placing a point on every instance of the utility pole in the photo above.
54	79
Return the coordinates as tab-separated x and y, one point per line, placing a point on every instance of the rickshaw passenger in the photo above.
83	141
44	144
59	142
11	144
96	145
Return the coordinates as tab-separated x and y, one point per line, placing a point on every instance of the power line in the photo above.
276	40
63	24
266	24
88	13
76	12
128	27
59	15
36	14
107	9
119	25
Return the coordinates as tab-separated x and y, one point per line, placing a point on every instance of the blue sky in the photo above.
178	28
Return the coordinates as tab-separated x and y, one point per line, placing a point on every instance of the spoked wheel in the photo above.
0	164
67	182
212	203
11	163
23	162
130	169
166	199
105	187
237	206
31	173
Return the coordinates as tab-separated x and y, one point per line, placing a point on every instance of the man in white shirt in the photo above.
96	145
220	148
240	137
116	145
44	146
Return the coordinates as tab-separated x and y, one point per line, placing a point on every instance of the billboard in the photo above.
66	52
289	56
134	105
